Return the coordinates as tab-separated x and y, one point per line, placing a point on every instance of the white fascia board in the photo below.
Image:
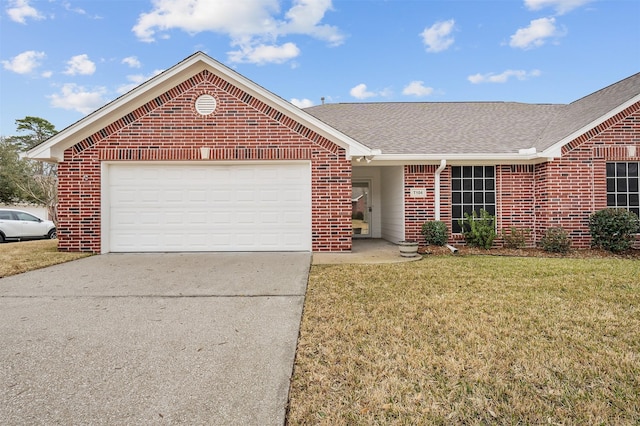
555	150
456	159
53	149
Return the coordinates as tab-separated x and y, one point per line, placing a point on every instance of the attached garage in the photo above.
174	207
199	158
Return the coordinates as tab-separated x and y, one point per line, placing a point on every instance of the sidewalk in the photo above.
366	251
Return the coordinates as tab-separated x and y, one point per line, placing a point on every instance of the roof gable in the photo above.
53	149
586	113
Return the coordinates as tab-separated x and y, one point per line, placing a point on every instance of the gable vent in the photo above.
205	104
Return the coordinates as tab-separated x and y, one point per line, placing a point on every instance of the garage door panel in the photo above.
249	207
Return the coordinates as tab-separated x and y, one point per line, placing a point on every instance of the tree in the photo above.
9	168
39	131
27	180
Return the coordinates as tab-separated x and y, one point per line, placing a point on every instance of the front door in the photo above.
361	209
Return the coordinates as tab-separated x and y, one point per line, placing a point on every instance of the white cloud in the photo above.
47	74
535	34
503	77
254	26
360	92
262	54
80	64
25	62
67	5
302	103
417	88
561	6
135	80
77	98
132	61
20	10
438	36
305	17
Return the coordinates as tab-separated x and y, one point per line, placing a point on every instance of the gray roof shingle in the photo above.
470	127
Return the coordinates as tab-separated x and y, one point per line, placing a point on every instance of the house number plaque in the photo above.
418	192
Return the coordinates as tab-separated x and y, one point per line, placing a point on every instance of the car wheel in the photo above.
1	238
52	234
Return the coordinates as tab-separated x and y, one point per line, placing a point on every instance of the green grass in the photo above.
473	340
16	258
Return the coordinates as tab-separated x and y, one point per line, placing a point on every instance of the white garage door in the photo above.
240	207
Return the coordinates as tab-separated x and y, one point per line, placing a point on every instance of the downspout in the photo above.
443	164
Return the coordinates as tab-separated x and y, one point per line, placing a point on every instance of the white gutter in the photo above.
471	158
443	164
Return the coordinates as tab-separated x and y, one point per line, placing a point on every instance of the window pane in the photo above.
634	200
456	198
633	169
467	184
466	171
611	169
489	184
478	184
456	172
491	210
621	185
621	169
478	171
621	200
467	197
456	212
455	227
633	184
636	211
456	185
467	209
26	217
489	171
489	198
478	198
611	200
611	185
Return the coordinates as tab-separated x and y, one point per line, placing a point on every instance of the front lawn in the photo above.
471	340
24	256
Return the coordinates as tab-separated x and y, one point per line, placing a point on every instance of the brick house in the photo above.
199	158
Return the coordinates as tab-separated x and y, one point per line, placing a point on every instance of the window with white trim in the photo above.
623	182
472	188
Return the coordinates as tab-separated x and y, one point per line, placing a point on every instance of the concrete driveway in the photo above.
202	338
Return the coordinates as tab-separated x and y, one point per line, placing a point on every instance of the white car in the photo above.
18	225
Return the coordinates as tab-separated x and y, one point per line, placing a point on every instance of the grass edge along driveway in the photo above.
473	340
19	257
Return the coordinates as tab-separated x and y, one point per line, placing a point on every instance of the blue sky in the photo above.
62	59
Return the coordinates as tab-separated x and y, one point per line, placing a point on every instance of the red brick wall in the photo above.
571	188
515	199
562	192
418	210
169	128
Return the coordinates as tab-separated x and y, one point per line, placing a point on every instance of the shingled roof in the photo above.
470	127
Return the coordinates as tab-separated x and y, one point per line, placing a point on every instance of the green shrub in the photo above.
613	229
435	232
516	238
555	240
479	231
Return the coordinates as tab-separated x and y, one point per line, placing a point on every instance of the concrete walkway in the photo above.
366	251
202	338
